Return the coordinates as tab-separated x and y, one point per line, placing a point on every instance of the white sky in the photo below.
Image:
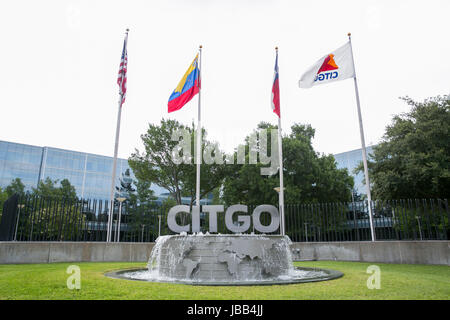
60	61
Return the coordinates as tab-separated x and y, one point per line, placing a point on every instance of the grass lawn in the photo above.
48	281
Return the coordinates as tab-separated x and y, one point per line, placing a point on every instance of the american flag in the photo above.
122	77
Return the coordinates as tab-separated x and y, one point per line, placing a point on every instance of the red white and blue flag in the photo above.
122	77
276	90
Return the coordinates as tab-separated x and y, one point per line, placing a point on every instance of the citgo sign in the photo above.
243	220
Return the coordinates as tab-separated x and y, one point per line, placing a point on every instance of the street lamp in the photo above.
277	189
120	199
20	206
420	229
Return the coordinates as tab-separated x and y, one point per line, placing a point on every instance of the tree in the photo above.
3	197
413	159
308	176
67	191
48	189
157	163
142	194
125	189
211	174
16	186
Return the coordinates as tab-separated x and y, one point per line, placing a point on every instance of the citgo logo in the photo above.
326	70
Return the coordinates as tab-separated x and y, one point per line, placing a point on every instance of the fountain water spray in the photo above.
204	259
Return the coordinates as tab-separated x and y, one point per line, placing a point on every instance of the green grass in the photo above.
48	281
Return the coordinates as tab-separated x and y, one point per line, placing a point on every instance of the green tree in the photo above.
167	204
67	191
141	194
413	159
308	176
46	188
57	220
212	175
49	189
157	164
53	221
3	197
16	186
125	189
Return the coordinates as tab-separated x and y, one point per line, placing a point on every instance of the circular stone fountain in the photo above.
224	260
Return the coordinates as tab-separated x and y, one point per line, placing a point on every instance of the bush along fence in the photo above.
31	218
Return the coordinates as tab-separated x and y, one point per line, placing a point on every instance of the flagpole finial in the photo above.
201	46
276	48
349	34
127	30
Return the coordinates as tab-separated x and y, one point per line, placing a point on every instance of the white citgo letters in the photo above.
239	225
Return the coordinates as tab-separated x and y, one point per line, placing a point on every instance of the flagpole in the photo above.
116	147
199	132
364	154
281	194
280	158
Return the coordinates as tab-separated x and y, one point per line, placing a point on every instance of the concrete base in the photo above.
221	258
301	275
409	252
412	252
48	252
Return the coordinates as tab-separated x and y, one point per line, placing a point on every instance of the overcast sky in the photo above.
60	61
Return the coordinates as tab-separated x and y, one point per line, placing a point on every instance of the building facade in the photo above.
350	160
90	174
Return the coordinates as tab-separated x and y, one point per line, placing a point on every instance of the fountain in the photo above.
231	259
204	259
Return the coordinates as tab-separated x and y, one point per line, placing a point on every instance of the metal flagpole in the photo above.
199	131
281	193
113	180
116	147
364	154
280	158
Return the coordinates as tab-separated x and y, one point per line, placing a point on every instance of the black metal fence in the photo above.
411	219
30	218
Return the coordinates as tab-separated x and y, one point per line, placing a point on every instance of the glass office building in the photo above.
350	160
90	174
19	161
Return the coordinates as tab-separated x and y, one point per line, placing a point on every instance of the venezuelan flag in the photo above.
188	87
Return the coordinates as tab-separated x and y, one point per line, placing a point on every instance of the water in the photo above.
293	276
223	260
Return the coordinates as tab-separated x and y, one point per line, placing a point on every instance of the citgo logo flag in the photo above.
335	66
328	64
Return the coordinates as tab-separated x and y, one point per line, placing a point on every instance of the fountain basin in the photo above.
300	275
224	260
